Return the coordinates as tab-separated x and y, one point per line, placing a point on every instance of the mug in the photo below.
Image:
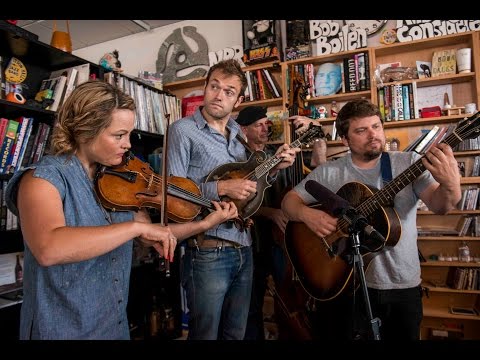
470	108
464	60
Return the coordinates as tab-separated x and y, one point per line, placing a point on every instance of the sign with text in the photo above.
331	38
409	30
234	52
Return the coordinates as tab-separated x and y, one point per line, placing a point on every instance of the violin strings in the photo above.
157	180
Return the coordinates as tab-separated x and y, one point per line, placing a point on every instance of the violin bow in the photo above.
163	212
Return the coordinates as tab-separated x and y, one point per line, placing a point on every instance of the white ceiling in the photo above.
90	32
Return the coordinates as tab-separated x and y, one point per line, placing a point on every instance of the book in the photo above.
190	104
71	74
7	145
24	123
444	63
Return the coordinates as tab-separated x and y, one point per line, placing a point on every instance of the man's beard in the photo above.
373	154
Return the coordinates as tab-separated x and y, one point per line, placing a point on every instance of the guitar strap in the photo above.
386	168
244	143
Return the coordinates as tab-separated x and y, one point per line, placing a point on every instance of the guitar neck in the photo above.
385	196
273	161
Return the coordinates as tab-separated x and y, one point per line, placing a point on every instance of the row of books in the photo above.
356	73
23	141
261	85
8	221
476	166
469	199
61	83
468	144
152	105
461	278
398	102
468	226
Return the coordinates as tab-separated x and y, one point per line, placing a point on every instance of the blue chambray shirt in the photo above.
194	150
83	300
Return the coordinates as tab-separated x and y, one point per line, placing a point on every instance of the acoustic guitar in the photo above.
256	168
324	265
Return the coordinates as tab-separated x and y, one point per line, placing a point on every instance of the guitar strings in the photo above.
384	197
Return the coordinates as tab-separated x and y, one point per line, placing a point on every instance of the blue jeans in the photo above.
218	284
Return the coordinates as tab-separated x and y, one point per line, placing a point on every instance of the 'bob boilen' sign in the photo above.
409	30
331	38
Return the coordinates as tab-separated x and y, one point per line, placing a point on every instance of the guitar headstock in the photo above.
469	128
312	133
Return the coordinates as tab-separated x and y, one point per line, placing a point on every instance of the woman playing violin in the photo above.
77	253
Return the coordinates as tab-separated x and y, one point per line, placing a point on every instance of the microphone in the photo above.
341	208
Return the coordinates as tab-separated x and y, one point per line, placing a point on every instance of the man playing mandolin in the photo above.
217	267
393	275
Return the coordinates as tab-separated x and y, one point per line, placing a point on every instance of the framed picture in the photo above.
276	122
424	69
260	41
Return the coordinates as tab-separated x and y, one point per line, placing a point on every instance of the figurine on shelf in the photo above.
261	33
110	61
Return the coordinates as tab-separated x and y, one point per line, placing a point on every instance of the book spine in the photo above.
3	129
18	144
7	145
24	145
406	102
272	83
367	70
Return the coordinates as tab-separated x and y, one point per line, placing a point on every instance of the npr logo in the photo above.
234	52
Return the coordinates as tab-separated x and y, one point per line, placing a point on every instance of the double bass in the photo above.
292	302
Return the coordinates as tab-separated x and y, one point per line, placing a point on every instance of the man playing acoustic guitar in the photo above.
393	275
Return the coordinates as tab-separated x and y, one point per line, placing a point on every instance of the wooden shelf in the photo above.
197	82
440	80
184	84
444	312
267	102
466	153
340	97
449	290
430	43
448	238
470	180
452	212
450	263
422	121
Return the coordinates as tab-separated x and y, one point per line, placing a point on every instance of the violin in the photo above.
133	185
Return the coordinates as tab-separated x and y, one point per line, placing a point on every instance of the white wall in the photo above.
140	51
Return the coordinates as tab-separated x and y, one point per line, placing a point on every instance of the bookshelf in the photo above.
182	88
465	89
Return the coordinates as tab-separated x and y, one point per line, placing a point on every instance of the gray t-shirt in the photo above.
395	267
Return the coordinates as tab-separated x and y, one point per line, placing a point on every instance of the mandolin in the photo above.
256	168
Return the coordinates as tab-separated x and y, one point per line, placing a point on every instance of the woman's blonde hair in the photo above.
86	112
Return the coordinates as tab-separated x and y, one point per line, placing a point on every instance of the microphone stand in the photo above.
354	235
